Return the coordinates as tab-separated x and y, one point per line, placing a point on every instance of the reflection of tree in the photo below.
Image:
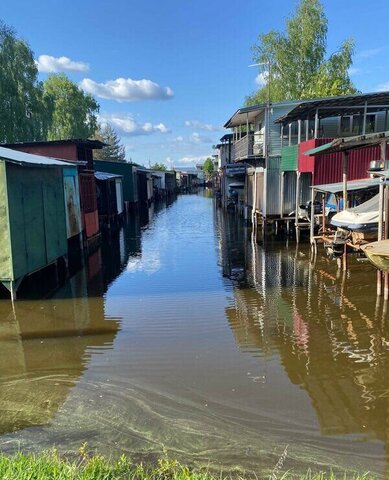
45	347
324	327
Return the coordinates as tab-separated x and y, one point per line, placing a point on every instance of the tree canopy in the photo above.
299	65
208	167
158	166
25	110
114	151
74	112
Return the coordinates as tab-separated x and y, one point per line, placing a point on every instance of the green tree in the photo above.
208	167
299	67
25	110
74	112
114	151
158	166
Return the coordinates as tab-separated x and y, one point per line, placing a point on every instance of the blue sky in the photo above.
192	56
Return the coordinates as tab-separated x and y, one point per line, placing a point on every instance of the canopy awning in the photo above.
350	143
352	185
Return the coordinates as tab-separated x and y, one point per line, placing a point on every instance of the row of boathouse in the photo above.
56	201
265	160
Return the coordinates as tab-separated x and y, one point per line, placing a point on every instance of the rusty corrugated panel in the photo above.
91	220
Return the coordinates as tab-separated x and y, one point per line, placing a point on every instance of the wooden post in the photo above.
380	222
386	232
247	134
312	226
383	153
282	193
344	171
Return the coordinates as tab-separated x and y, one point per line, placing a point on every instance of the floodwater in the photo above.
181	335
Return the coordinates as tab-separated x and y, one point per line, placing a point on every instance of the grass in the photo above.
49	465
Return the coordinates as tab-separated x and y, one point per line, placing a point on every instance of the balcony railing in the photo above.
250	145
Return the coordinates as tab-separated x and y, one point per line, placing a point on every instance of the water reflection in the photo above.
326	326
45	348
181	334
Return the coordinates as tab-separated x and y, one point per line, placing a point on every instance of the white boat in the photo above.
378	254
363	218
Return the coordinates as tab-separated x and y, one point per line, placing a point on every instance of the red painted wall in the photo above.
65	152
328	168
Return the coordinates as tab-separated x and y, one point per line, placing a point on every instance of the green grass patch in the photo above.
50	465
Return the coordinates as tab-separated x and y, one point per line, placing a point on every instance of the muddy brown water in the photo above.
181	335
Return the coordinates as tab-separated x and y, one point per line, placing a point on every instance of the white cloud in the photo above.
197	138
383	87
261	79
201	126
127	125
354	70
49	64
127	90
369	52
192	159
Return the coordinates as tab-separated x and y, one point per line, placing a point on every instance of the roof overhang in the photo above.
244	115
29	160
336	106
350	143
352	185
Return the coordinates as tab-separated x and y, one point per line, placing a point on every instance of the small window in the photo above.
345	125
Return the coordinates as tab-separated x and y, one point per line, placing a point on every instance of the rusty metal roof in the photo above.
28	159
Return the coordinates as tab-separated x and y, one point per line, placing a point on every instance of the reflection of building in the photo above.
44	349
324	328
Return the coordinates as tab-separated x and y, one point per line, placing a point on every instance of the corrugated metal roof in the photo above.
97	144
331	106
352	185
106	176
27	159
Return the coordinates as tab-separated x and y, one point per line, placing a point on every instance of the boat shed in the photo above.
79	152
32	215
109	198
129	178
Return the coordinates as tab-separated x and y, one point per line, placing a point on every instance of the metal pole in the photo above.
364	119
290	134
344	168
307	129
316	123
299	131
282	135
296	221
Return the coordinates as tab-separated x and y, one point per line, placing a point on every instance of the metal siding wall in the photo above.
250	189
275	128
328	169
290	180
130	192
305	187
273	186
289	158
37	217
5	242
72	202
260	191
